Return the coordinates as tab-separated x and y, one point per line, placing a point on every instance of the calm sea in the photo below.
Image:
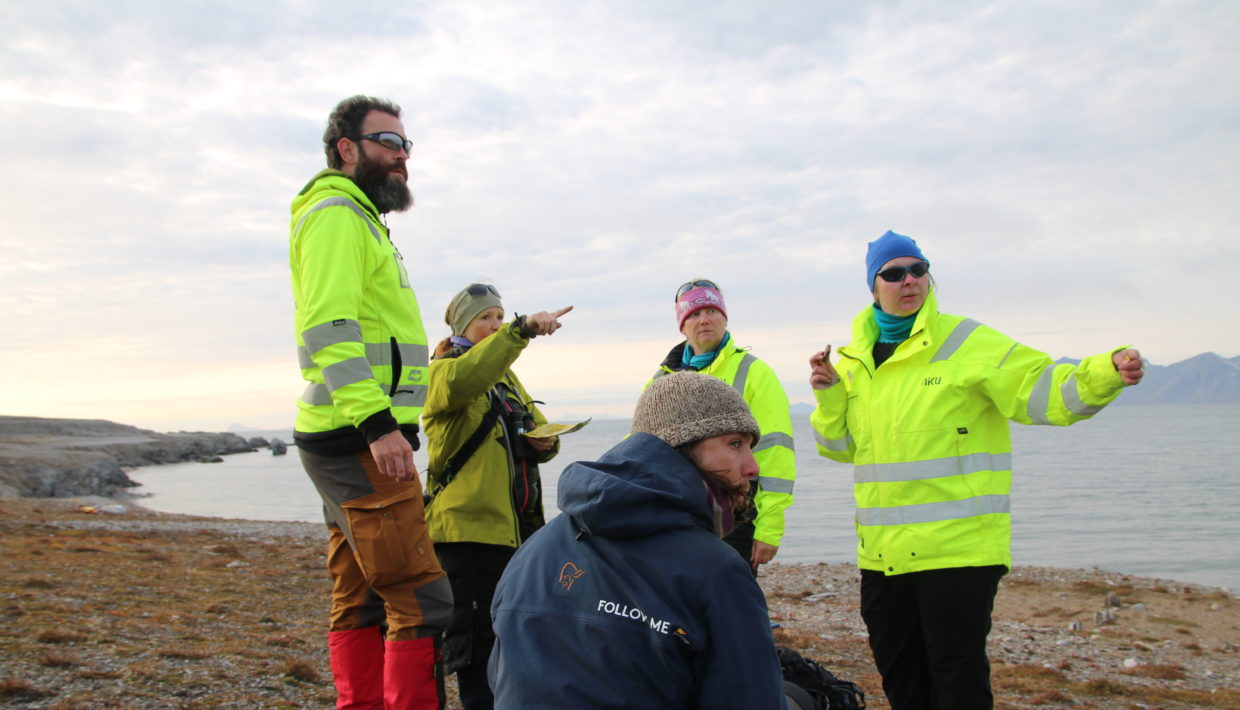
1144	490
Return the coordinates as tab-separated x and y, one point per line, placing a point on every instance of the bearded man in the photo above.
363	352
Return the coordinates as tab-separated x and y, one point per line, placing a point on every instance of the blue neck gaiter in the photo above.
699	362
893	329
461	342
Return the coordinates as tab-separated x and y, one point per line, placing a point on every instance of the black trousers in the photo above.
928	634
473	571
741	540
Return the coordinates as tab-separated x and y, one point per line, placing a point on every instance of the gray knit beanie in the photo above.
466	305
685	407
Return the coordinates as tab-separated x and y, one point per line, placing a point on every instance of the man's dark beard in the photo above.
388	192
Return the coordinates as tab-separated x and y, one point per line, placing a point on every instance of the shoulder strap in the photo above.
467	450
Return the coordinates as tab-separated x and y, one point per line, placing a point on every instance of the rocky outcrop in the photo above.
58	458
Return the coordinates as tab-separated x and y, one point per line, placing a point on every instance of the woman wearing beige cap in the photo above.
482	478
629	598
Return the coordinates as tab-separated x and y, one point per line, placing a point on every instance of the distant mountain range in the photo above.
1202	379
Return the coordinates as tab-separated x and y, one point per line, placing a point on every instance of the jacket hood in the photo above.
675	360
332	181
640	487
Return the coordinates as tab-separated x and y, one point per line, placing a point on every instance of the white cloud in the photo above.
1069	169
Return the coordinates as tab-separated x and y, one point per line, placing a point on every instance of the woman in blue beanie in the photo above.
919	401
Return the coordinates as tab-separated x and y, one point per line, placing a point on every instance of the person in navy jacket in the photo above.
629	599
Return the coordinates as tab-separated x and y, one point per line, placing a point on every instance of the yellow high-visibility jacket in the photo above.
762	391
360	340
928	434
498	492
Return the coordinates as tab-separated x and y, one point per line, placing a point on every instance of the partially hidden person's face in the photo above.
728	462
704	329
484	324
904	297
380	170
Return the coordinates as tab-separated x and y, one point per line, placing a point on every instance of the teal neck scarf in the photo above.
893	329
700	362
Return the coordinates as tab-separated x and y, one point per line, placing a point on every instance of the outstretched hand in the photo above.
1129	364
821	373
544	323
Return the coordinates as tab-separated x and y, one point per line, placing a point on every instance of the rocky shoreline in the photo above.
140	609
59	458
107	604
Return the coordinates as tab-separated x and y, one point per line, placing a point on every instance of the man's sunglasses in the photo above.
690	285
388	139
477	290
896	274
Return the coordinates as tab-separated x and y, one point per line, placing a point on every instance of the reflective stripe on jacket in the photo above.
478	505
928	434
768	403
360	340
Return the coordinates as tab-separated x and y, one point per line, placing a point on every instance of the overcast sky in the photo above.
1070	169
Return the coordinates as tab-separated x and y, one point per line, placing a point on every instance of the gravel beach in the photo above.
137	609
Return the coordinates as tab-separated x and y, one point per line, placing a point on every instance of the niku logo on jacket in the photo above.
632	612
570	573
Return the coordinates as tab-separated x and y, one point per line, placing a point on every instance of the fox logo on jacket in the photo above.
570	573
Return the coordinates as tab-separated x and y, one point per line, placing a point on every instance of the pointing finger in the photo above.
562	311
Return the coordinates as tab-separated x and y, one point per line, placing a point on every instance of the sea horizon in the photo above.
1133	491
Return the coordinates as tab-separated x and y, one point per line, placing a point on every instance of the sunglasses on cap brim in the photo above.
476	290
690	285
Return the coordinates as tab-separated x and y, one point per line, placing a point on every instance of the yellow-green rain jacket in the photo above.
360	340
478	504
761	390
928	434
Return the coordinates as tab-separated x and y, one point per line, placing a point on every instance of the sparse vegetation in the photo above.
122	617
1161	671
17	690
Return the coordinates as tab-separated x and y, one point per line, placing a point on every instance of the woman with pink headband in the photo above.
708	348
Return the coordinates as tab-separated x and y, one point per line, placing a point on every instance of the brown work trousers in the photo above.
379	553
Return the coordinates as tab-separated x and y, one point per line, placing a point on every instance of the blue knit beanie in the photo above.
884	249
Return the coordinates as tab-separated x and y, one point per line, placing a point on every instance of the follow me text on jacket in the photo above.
629	600
364	352
928	434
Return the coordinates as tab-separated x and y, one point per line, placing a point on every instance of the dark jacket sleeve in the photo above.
739	668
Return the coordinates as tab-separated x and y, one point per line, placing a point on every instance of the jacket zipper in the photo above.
396	368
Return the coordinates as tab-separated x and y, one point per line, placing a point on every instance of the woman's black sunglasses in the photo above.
895	274
690	285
